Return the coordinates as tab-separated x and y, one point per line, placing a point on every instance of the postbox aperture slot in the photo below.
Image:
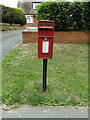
45	46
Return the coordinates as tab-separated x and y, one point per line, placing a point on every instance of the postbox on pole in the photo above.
45	39
45	44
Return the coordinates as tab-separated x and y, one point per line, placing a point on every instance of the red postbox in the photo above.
45	39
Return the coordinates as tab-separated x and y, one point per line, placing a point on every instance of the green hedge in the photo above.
0	14
13	15
68	16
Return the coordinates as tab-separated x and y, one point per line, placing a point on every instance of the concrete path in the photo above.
34	29
0	111
49	112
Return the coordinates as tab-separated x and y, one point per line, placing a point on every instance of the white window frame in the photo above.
35	5
27	18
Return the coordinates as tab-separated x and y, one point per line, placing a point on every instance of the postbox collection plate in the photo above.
45	47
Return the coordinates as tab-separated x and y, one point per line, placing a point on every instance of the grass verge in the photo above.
67	76
8	27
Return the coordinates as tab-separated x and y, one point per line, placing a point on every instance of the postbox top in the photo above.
46	24
45	21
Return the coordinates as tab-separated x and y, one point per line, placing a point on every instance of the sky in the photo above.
13	3
10	3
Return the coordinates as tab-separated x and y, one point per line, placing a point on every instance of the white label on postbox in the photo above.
45	47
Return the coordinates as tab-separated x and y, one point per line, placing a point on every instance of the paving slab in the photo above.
47	112
0	112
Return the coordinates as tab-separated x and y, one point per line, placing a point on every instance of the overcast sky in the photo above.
13	3
10	3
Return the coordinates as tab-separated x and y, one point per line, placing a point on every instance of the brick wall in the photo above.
34	24
59	37
70	37
29	37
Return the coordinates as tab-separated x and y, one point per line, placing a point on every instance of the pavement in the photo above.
34	29
27	111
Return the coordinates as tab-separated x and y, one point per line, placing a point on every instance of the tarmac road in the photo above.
8	40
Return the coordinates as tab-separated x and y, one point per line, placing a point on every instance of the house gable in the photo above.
30	9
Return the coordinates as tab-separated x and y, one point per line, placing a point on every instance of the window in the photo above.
29	18
35	5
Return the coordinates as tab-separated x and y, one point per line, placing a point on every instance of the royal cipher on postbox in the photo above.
45	39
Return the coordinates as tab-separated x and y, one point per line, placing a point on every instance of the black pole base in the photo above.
44	73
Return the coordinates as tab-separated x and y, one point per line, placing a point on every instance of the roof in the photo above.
26	5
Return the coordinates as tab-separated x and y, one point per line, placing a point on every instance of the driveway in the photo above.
8	40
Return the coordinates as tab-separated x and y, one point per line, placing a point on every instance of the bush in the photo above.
53	11
68	16
20	17
0	14
86	14
76	18
13	15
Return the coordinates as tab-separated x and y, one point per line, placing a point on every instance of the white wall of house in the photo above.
35	5
29	18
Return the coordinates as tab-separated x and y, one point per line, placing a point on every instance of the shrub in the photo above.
0	14
20	17
76	18
13	15
68	16
86	14
54	11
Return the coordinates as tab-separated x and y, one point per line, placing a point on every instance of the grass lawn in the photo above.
8	27
67	76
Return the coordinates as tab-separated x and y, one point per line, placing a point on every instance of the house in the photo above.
30	9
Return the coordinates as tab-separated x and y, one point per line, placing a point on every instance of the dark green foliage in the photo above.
87	14
76	20
0	14
68	16
20	19
13	15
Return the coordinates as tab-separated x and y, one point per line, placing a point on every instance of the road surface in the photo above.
8	40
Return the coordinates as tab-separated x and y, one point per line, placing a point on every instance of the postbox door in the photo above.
50	47
45	48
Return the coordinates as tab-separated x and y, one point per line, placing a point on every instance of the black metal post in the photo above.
44	73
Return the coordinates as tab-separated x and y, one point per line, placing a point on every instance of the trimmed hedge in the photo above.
0	14
13	15
68	16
